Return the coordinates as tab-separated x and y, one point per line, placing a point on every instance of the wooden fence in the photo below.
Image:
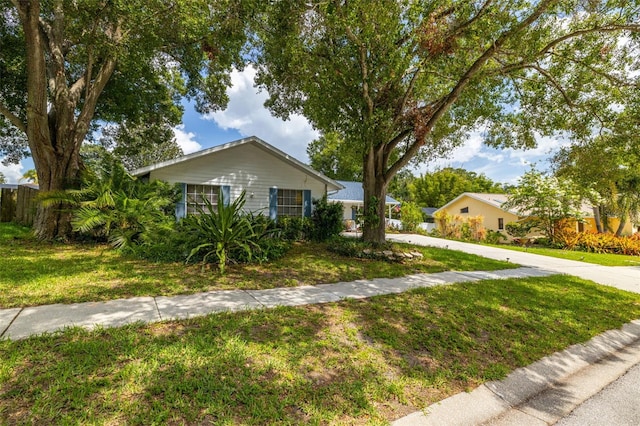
18	204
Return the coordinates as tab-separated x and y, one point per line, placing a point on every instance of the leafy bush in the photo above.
476	227
518	229
494	237
294	228
326	220
410	216
598	243
609	243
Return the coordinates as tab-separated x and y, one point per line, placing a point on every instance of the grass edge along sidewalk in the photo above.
365	361
20	323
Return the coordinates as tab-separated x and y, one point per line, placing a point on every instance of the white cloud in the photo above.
246	114
13	172
186	140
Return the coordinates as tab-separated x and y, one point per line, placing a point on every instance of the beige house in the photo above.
275	183
489	206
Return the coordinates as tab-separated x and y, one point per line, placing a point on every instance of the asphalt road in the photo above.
617	404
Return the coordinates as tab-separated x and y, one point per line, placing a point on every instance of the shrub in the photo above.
410	216
598	243
293	228
494	237
445	223
349	247
326	220
476	226
518	229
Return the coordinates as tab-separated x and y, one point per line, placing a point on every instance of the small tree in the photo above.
546	200
410	216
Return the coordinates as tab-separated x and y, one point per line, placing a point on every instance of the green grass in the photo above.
37	273
354	362
605	259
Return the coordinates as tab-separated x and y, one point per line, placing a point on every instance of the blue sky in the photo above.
246	116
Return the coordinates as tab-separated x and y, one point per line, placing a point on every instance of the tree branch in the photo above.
13	119
455	93
95	90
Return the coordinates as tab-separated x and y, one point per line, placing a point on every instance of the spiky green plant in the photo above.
221	230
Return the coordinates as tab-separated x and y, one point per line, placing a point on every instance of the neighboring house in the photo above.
352	198
275	183
489	206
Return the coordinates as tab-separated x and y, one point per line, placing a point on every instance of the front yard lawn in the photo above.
38	273
354	362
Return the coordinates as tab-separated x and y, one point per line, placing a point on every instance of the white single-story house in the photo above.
352	198
274	182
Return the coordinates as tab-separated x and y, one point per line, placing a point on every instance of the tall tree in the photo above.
139	144
438	188
66	64
404	80
2	178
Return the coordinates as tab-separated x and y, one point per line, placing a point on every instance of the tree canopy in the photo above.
330	155
65	65
438	188
406	80
607	163
138	144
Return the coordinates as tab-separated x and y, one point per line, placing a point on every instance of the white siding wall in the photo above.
245	167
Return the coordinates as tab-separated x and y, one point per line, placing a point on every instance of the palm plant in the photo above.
221	230
113	205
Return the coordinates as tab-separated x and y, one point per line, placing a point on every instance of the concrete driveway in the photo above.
622	277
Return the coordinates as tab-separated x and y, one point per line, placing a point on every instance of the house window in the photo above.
290	202
500	224
580	226
464	210
197	194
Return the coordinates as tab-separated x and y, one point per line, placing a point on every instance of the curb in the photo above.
567	375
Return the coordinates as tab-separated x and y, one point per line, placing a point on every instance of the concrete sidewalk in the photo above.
19	323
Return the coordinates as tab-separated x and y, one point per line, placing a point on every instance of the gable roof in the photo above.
353	192
495	200
253	140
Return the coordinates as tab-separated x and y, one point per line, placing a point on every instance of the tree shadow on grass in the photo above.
358	361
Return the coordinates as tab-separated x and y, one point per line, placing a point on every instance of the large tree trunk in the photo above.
375	192
55	127
57	173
